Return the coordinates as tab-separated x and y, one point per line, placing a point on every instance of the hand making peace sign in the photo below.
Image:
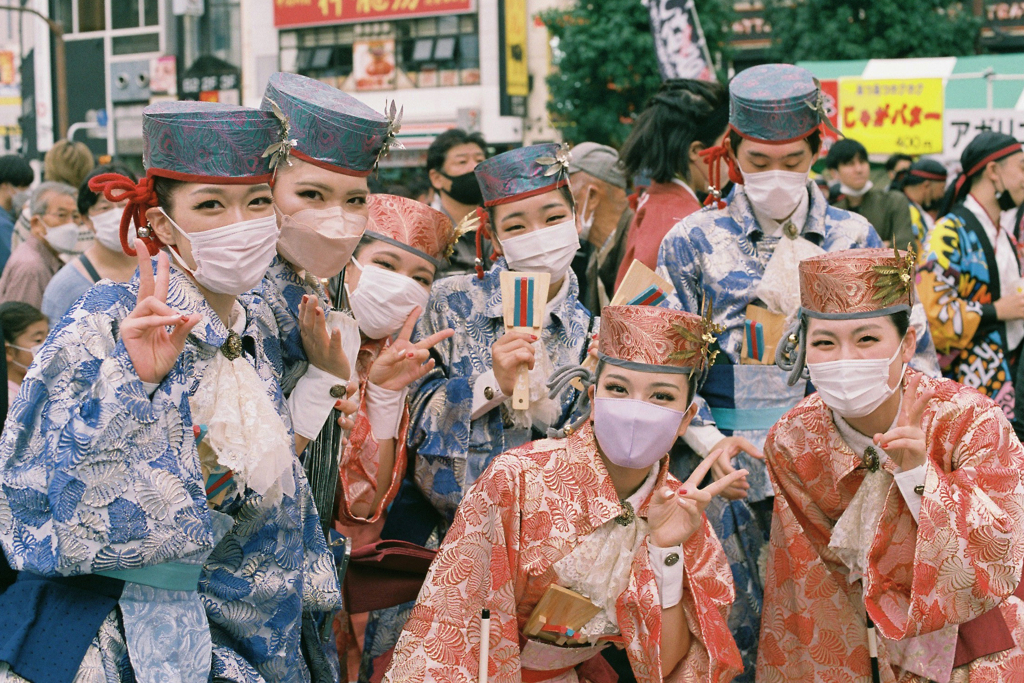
905	442
674	516
152	348
403	362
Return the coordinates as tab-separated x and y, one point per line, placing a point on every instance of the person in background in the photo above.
599	192
55	226
24	330
104	259
421	190
896	164
970	279
683	119
451	160
923	184
68	162
888	212
15	177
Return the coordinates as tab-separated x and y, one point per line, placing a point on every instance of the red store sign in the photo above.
291	13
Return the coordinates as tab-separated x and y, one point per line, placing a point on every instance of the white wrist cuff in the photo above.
384	410
702	438
484	384
667	564
910	482
312	399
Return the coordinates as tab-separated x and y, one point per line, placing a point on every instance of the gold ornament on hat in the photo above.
819	106
279	151
469	223
558	163
708	337
394	116
894	282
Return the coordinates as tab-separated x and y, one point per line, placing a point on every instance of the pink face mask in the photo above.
635	434
320	241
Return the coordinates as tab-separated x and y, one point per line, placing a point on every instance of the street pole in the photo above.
59	67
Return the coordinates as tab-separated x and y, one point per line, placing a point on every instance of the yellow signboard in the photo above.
517	75
890	116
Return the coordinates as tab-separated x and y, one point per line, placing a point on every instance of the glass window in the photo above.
444	49
92	15
469	52
303	59
447	25
126	45
152	10
62	12
123	13
289	39
467	23
426	27
321	58
423	50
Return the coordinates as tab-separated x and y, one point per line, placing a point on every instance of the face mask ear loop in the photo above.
558	381
791	353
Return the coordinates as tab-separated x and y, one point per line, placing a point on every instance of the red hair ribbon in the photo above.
140	197
482	215
712	156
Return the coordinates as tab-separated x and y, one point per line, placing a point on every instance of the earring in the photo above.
145	231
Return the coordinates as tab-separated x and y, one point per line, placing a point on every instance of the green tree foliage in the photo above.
866	29
605	68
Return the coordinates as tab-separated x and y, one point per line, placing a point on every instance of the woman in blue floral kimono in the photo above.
461	411
150	496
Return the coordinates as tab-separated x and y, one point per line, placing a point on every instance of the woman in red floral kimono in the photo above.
596	513
898	532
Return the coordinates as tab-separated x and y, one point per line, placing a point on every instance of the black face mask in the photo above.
1005	200
465	189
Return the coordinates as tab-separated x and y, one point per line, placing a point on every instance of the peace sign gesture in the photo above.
674	516
403	362
905	442
152	348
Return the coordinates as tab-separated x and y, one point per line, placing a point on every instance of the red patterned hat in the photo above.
411	225
653	339
857	283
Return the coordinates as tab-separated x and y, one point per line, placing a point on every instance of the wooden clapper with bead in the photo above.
762	332
559	616
523	299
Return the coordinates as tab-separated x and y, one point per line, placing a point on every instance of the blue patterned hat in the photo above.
329	128
775	103
524	172
206	141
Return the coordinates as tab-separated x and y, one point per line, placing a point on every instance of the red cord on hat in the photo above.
140	197
482	215
712	156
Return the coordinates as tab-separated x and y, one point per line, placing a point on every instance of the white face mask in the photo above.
63	237
108	230
586	224
383	300
320	241
549	250
776	193
855	387
34	350
232	259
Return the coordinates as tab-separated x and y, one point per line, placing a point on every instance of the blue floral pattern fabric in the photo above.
96	475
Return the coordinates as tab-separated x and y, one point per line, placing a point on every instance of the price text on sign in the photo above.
308	12
889	116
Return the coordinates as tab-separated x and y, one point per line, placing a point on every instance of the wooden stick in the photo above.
485	643
523	298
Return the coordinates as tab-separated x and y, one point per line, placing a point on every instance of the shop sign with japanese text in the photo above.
889	116
962	125
290	13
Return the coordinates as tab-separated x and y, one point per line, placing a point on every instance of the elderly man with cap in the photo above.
603	215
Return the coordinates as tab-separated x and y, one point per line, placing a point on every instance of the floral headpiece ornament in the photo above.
894	282
394	115
818	105
279	151
557	164
708	337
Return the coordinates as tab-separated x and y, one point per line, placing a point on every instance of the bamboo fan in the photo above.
523	298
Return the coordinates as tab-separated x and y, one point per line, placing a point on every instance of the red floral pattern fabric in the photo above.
963	559
529	509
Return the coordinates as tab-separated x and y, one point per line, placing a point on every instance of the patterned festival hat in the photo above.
524	172
199	142
411	225
857	283
327	127
653	339
206	141
776	103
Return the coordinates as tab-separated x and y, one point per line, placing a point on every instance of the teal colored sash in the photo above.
753	419
172	576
